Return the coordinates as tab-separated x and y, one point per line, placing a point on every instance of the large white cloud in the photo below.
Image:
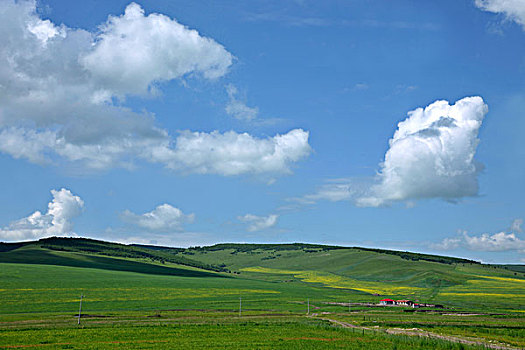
134	50
62	89
258	223
57	221
163	218
431	155
514	10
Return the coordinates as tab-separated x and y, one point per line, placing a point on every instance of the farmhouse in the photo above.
390	302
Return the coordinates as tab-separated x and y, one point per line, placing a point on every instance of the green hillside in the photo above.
361	274
91	246
36	255
450	281
137	294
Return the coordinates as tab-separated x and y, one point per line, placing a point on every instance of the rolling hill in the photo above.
361	274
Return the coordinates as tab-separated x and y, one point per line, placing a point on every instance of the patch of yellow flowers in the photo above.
341	282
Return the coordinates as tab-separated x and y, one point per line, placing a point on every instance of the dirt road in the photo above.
416	332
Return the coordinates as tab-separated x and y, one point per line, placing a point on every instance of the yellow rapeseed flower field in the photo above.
341	282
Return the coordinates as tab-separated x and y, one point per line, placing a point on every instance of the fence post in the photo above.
308	311
80	308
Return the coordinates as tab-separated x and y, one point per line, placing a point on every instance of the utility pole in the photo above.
240	306
80	309
348	305
308	301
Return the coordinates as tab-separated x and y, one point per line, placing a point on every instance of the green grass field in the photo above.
258	333
136	298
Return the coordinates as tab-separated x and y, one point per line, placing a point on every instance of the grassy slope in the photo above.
341	273
33	254
48	288
84	245
515	268
40	289
470	285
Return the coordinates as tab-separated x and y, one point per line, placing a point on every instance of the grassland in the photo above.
459	285
147	299
226	333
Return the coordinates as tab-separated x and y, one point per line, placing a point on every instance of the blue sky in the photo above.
373	123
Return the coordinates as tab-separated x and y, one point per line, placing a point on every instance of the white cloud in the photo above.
238	109
334	191
44	30
133	50
58	88
516	225
448	243
501	241
163	218
258	223
173	239
497	242
55	104
24	143
231	153
57	221
431	155
513	10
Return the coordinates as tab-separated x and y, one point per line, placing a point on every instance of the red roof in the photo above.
387	300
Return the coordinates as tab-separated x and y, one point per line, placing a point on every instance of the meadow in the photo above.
290	297
246	333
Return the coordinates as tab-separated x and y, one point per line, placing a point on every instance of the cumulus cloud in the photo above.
513	10
163	218
258	223
57	221
57	88
133	50
448	243
501	241
238	109
486	242
431	155
62	92
232	153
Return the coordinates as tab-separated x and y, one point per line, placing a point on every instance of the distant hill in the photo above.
311	248
513	267
172	254
355	269
83	252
